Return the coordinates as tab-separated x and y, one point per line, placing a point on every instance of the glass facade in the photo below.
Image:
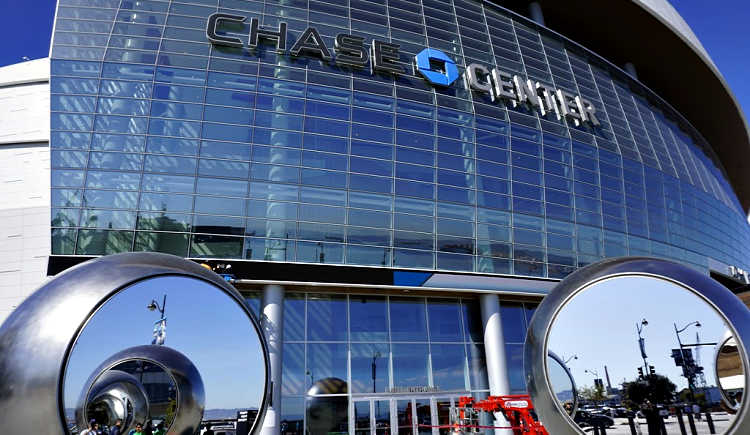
163	142
340	348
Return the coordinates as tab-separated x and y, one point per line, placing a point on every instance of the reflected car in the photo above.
585	418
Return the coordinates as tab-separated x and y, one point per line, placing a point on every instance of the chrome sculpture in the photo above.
730	374
185	376
713	295
119	395
37	339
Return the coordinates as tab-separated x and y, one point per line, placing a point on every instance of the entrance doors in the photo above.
401	415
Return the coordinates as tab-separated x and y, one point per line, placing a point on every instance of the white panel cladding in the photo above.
24	102
24	181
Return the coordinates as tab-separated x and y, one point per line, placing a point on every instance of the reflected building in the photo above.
392	207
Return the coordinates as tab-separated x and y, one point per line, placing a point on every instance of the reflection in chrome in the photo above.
730	374
563	384
35	340
188	383
717	298
114	395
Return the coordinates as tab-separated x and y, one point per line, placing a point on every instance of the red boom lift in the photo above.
518	410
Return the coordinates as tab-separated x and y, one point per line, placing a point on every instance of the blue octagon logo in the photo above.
436	67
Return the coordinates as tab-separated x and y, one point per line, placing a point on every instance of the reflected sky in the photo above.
203	323
599	326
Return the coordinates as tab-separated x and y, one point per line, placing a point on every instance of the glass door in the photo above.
371	416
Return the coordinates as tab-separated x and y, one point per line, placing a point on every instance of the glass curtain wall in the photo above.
339	348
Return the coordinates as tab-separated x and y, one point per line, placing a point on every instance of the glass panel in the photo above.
424	417
477	367
327	368
382	417
410	365
514	358
368	318
472	320
445	322
514	326
369	364
293	369
328	415
292	415
408	321
444	415
294	317
362	417
448	366
404	413
326	318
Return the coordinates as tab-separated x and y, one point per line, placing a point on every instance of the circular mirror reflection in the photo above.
730	373
645	350
562	383
197	319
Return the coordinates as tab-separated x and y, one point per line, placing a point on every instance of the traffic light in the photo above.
640	372
651	370
599	384
677	356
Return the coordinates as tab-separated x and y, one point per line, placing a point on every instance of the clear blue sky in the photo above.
599	326
202	322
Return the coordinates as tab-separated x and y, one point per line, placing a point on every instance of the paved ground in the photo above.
721	422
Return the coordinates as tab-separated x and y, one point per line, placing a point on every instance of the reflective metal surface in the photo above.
187	380
37	338
720	302
730	373
563	384
117	395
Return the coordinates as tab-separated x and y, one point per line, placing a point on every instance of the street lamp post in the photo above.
160	331
642	343
375	357
568	360
687	371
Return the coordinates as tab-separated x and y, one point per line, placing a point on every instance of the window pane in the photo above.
448	366
328	415
409	365
445	321
408	321
326	318
294	317
326	368
293	371
369	318
514	327
364	379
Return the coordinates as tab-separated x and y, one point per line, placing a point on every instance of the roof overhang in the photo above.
669	60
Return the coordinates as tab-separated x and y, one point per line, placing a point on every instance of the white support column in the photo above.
535	13
272	323
494	349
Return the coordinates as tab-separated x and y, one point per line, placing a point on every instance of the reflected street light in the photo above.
160	327
687	371
567	360
642	343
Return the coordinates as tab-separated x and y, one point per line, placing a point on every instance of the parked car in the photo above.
585	418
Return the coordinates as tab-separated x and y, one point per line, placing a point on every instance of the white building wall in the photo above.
24	181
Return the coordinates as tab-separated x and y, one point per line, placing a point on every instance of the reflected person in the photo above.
90	430
116	429
138	430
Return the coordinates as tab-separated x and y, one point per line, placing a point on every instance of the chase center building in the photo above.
394	184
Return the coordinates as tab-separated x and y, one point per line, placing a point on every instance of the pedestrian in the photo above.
138	430
149	428
116	429
90	430
697	411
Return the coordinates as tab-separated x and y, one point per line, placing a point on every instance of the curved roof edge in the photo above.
671	61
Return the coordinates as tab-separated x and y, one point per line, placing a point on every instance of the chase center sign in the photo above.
434	65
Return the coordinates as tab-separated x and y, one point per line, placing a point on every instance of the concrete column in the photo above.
272	323
630	69
494	349
535	13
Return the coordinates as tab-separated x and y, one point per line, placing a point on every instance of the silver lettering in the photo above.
257	33
477	77
503	84
215	20
569	106
587	110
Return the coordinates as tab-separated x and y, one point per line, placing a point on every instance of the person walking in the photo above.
138	430
90	430
116	429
